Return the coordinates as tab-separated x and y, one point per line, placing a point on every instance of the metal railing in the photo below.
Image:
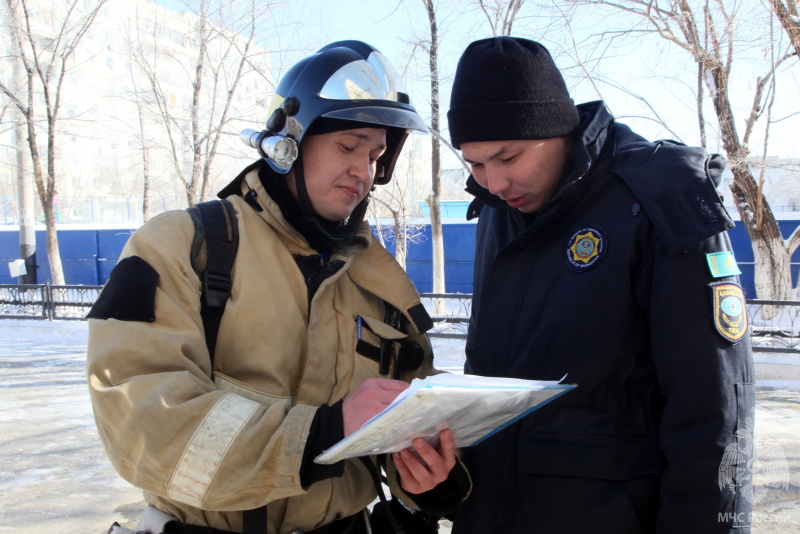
46	301
775	324
450	313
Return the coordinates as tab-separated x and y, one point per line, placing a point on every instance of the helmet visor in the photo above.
370	79
381	115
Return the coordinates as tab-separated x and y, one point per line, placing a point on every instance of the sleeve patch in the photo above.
730	311
722	264
129	294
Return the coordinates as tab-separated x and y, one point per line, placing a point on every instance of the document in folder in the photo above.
472	407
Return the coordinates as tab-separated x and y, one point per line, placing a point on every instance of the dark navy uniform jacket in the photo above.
625	283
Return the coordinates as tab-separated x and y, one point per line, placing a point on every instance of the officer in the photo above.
603	257
319	319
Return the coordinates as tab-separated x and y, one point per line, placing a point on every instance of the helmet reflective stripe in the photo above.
373	79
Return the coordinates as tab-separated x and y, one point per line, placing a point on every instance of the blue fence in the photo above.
88	255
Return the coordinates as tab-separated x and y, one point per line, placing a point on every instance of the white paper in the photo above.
472	406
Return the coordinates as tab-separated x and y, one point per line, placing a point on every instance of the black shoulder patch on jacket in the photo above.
421	319
676	185
129	294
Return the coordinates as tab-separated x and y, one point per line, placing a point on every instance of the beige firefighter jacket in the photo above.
204	449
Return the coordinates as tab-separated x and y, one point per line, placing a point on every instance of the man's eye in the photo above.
509	159
346	148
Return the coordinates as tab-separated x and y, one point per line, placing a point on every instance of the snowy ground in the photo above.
55	478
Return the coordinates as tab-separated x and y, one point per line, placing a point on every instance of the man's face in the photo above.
524	173
339	169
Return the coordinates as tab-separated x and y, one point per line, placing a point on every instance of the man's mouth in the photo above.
350	191
516	202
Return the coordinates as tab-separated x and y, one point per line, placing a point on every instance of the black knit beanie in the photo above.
508	88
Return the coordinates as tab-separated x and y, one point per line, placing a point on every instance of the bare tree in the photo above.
708	32
145	148
790	20
433	198
393	198
144	104
45	38
501	14
197	107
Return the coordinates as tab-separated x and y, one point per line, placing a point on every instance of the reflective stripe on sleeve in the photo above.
207	448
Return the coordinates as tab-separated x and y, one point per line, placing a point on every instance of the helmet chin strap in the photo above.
331	230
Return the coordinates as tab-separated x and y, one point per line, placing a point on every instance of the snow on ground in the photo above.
55	477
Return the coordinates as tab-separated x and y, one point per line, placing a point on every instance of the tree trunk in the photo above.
145	184
46	194
53	253
787	15
399	238
437	240
191	194
772	278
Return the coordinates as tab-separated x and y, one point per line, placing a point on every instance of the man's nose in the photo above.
362	167
496	181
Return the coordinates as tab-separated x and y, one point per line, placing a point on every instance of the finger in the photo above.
414	476
406	478
447	446
438	463
424	464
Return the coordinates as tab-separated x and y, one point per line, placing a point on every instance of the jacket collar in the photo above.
251	188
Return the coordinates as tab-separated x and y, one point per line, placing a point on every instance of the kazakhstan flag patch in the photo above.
722	264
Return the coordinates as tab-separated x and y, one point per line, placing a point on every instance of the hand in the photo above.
368	400
423	468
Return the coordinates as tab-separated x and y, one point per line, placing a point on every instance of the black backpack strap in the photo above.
255	521
378	482
215	225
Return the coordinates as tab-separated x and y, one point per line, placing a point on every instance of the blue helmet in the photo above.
345	80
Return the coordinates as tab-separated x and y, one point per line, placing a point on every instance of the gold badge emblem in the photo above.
585	248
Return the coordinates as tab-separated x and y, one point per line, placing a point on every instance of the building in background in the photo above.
109	110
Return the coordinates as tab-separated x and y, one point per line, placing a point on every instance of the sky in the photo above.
635	85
